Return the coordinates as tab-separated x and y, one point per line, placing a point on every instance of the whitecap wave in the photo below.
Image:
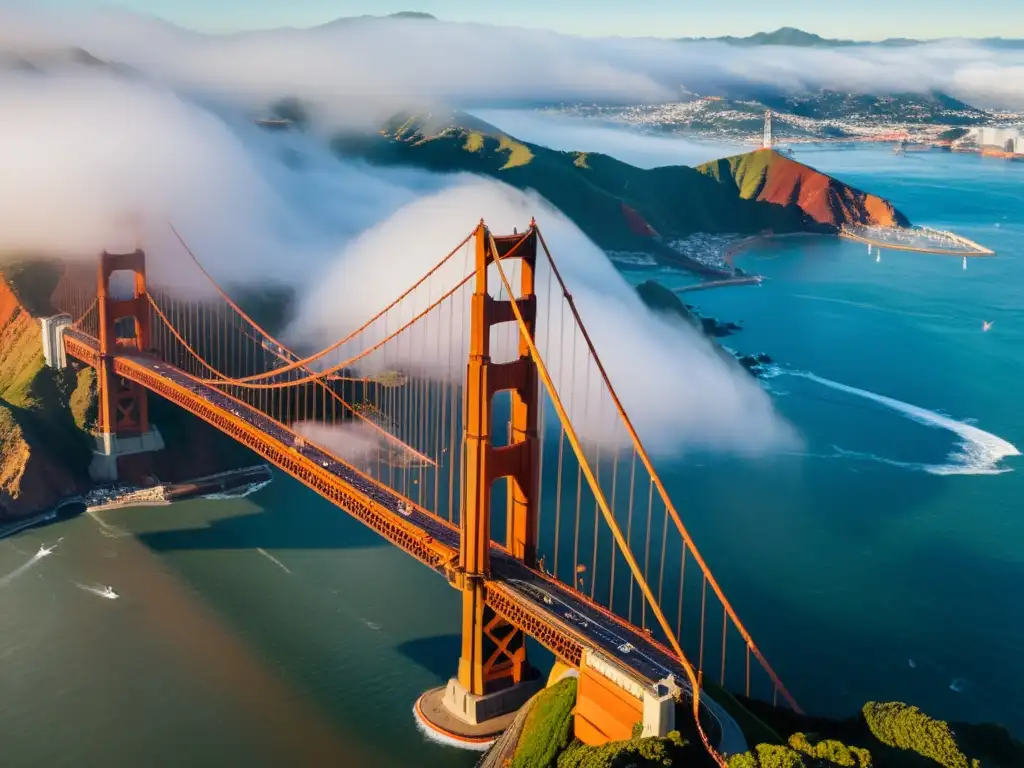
430	734
978	452
240	493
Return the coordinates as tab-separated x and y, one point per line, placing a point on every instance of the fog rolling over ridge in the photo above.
87	150
357	70
574	134
676	387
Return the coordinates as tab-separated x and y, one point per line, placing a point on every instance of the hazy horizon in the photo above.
869	21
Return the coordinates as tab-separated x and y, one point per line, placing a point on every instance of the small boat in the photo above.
986	324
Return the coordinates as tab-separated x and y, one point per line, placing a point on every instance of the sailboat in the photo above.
965	262
878	256
986	324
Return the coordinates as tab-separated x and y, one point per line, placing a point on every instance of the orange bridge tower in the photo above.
123	423
494	678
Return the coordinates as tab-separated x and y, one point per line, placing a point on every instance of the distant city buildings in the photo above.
1007	140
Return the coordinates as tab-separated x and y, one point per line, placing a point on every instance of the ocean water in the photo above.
880	561
883	560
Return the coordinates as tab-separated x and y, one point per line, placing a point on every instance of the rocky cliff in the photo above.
773	179
44	454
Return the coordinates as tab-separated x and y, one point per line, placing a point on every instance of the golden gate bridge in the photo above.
482	371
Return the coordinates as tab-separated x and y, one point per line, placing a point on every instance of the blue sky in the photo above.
863	19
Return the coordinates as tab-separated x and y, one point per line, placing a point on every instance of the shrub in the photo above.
905	727
778	756
634	753
832	751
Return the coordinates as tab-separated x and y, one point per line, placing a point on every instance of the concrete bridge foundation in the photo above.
109	446
473	721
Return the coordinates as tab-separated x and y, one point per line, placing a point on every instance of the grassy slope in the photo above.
775	180
548	727
44	455
590	189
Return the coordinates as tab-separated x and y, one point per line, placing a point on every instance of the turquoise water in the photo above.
276	630
861	573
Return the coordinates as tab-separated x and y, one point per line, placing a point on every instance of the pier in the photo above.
743	280
916	239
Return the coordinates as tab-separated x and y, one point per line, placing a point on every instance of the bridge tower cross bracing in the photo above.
494	677
123	418
494	653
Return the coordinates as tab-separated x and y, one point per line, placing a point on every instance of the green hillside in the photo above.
744	173
619	206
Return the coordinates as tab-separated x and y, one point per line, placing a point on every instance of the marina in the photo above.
916	239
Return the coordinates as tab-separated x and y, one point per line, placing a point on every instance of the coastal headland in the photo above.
47	418
623	208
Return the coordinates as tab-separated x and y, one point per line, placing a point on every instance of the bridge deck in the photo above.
559	617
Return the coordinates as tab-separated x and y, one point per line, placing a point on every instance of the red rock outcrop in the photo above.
769	177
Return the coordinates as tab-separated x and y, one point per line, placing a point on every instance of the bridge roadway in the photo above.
557	616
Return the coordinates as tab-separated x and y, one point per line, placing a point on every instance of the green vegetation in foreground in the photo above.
548	727
882	735
44	451
634	753
596	191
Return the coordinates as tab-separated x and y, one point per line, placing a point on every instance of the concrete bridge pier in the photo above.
110	446
454	715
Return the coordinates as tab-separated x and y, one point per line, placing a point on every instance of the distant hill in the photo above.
798	38
783	36
823	114
370	17
928	108
622	207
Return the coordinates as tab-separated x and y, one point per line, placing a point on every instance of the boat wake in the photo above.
875	307
107	592
273	559
25	567
241	493
978	452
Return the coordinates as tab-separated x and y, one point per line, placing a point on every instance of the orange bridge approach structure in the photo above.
472	424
